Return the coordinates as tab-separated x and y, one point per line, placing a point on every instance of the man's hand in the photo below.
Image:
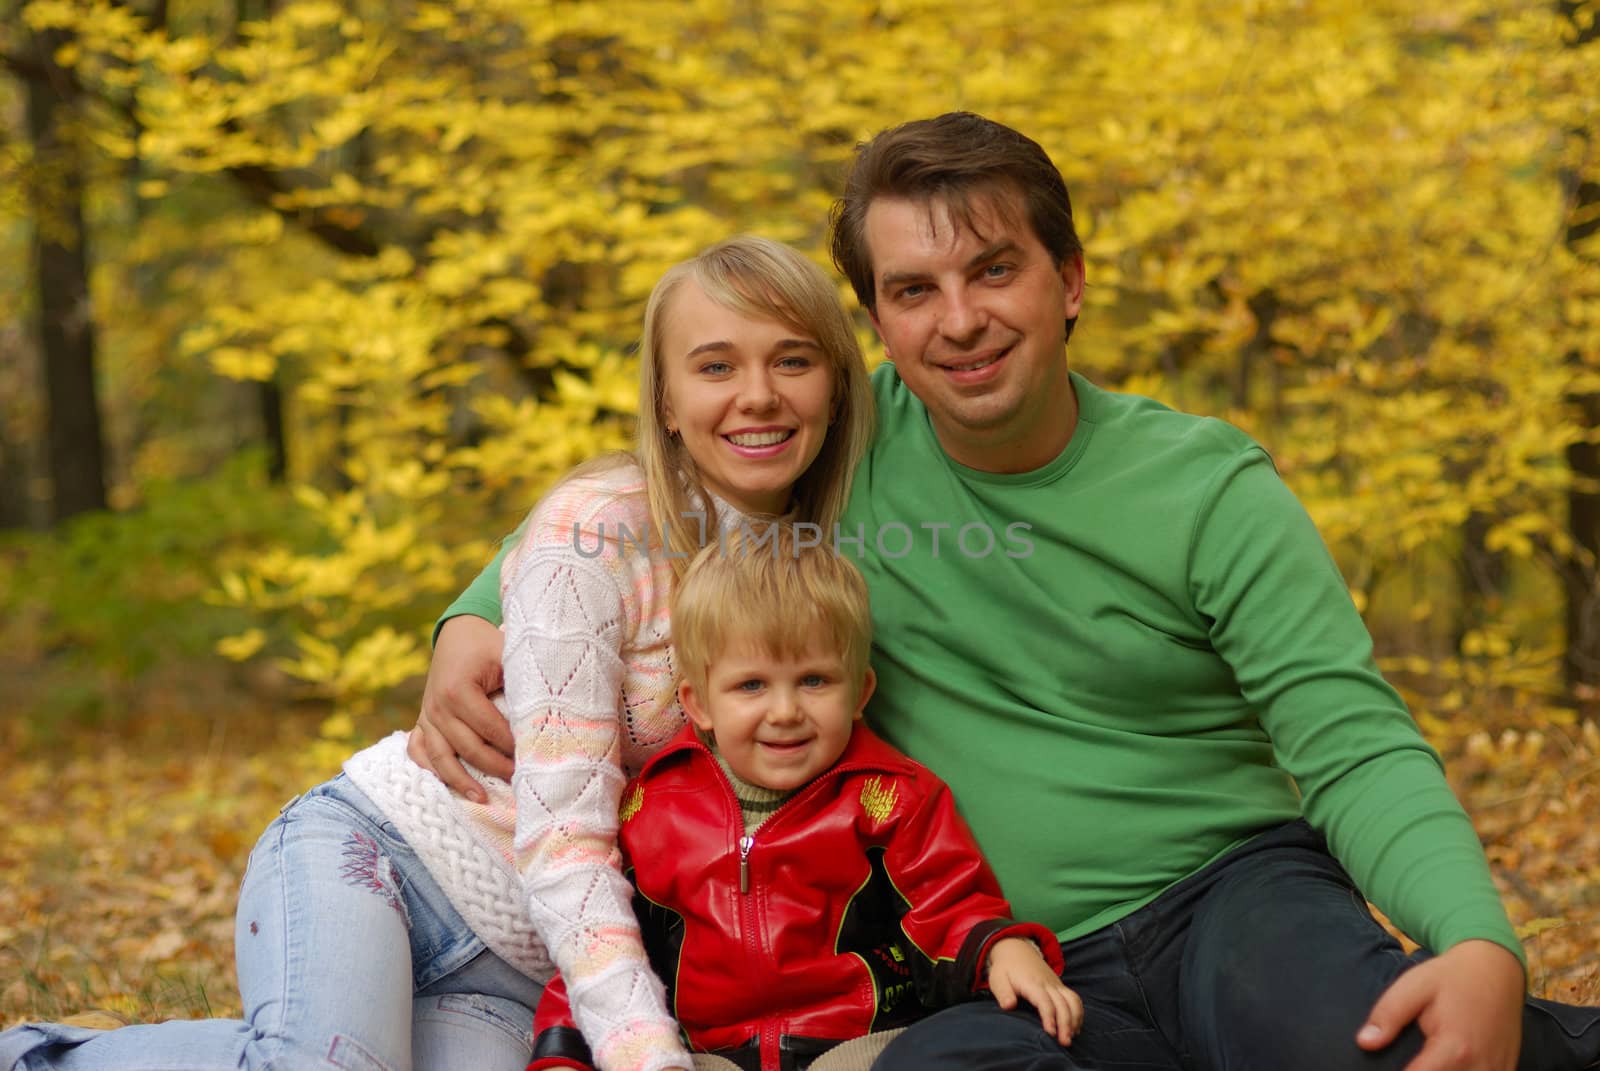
457	720
1016	969
1467	1003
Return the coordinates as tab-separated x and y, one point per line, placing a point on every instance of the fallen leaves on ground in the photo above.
121	856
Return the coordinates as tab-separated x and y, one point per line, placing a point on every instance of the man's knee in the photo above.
1283	964
979	1036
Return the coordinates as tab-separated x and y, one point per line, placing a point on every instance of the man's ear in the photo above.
1073	278
869	684
876	326
691	706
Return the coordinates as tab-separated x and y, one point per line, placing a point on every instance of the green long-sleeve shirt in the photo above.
1132	659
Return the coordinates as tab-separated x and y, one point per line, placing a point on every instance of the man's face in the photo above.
974	319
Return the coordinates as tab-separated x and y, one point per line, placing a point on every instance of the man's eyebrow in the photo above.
983	256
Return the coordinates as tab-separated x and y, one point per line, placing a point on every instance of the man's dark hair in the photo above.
949	159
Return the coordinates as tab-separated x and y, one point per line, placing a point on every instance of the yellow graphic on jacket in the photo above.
878	799
631	803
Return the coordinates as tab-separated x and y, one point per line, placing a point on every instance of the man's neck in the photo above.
1004	451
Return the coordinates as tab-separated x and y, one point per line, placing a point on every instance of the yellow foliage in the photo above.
1339	225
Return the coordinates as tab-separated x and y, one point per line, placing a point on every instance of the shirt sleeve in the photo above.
954	909
1280	614
482	597
565	626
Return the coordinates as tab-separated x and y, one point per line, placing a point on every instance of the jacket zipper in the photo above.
746	842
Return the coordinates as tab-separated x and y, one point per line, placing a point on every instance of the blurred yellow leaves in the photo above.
1340	225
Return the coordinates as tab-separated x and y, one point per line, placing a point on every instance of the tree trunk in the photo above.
61	272
13	483
1582	662
270	395
1580	577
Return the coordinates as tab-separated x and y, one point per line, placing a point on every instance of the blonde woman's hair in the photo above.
782	588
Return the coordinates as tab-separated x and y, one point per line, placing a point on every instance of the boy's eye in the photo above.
752	685
813	680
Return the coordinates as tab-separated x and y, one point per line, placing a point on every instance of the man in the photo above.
1117	636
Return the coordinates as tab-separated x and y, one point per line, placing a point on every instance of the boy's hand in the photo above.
1016	969
457	718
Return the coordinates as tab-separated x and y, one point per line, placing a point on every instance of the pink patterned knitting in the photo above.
589	696
589	693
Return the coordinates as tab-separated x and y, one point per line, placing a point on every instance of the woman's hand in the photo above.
457	720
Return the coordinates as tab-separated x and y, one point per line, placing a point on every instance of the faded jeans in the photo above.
349	956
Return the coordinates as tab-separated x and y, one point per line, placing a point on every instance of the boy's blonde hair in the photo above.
762	584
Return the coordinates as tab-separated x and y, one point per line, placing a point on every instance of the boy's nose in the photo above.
784	710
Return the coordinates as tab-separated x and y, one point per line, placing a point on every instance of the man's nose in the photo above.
963	319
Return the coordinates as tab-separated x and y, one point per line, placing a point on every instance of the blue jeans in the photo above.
1266	960
349	956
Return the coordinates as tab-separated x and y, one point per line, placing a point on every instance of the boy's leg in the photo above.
1283	963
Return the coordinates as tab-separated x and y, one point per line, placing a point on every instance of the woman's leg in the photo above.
343	942
324	962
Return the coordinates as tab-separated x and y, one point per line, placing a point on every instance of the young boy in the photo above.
799	882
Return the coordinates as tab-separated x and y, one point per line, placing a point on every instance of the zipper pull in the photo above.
746	842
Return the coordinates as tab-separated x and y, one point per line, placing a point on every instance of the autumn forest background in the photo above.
303	302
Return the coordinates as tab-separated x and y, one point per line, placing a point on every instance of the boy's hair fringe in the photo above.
762	585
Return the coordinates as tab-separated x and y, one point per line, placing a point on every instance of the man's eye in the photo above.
915	290
997	271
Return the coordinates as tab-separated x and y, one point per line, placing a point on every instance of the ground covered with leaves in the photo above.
122	851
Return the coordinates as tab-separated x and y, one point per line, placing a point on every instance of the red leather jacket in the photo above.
860	905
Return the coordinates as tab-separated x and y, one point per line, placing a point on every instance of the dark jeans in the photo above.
1266	960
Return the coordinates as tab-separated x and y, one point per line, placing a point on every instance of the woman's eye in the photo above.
795	363
716	368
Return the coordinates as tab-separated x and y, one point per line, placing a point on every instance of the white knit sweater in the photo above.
589	696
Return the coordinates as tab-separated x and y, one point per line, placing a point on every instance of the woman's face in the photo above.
751	398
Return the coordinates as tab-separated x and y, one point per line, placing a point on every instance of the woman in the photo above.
384	922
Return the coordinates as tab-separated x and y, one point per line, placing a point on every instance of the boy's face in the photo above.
779	722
